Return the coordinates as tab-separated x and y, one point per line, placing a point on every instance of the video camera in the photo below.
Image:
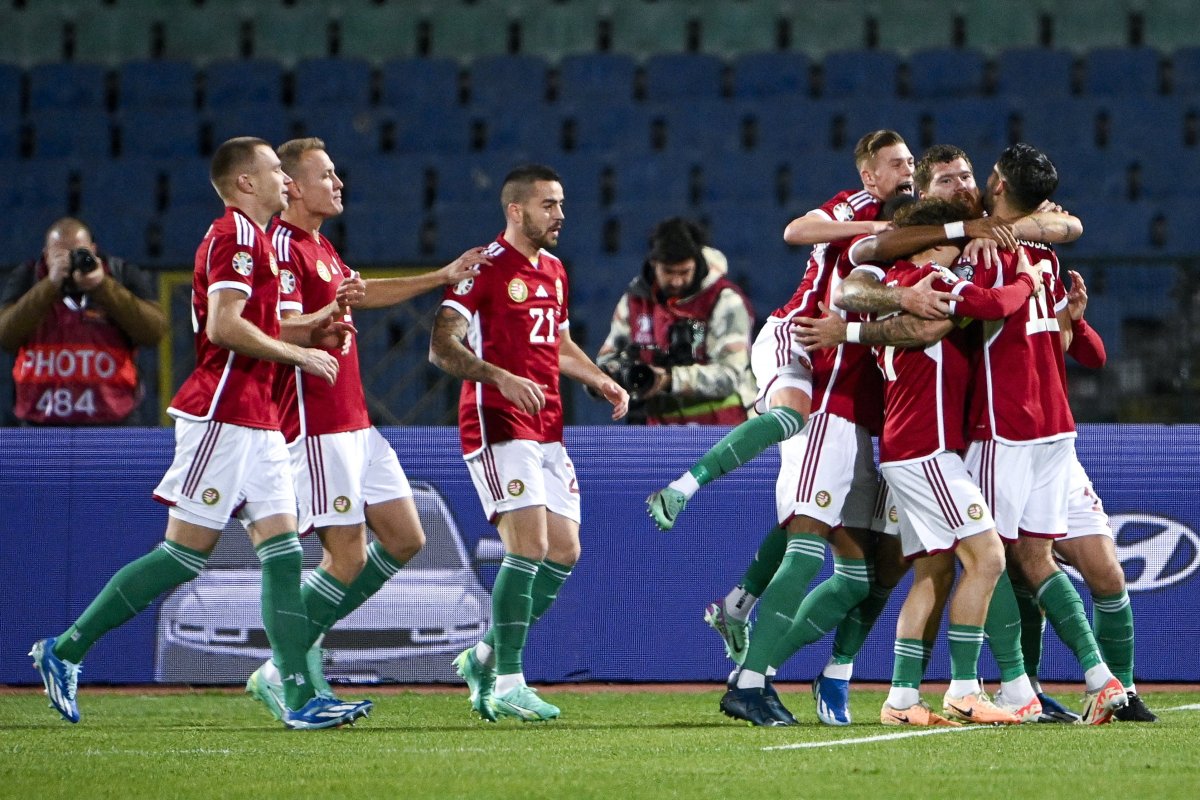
632	371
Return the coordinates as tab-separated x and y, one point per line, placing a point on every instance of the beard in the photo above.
542	238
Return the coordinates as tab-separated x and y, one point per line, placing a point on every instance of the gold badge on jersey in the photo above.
975	511
517	290
893	514
243	263
823	499
274	265
558	290
323	271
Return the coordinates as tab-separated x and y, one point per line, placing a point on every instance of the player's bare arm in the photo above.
1050	224
226	328
900	330
325	329
383	292
899	242
449	353
862	292
816	228
575	364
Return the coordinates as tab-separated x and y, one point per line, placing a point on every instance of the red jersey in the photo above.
843	207
1018	392
225	386
515	309
925	388
310	272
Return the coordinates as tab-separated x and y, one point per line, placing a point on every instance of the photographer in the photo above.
680	336
75	319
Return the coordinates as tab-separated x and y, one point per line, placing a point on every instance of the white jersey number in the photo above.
1041	316
544	325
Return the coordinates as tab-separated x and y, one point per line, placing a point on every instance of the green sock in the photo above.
825	606
965	643
746	441
550	578
1033	628
766	562
1064	609
283	615
908	665
803	559
380	567
511	605
128	592
854	629
1003	628
322	594
1113	625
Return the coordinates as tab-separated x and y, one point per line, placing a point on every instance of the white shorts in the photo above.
938	504
523	473
827	472
339	474
778	363
1026	486
221	470
885	517
1085	510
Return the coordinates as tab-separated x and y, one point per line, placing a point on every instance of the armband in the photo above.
853	330
955	230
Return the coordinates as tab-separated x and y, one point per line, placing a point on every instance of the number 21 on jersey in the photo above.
544	325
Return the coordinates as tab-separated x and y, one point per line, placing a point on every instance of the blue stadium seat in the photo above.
825	26
111	187
469	180
67	85
182	227
1034	72
347	134
463	225
1183	220
24	229
266	121
499	81
993	26
643	29
620	127
905	26
744	178
62	133
730	29
979	126
683	76
581	175
655	178
532	133
596	77
1061	124
751	232
290	33
10	92
419	81
187	181
146	132
343	84
795	128
10	137
1086	26
854	74
945	73
458	30
711	127
771	75
253	80
556	30
375	234
156	85
40	183
902	116
581	243
378	31
121	229
1111	228
1185	71
431	129
111	34
1136	120
1121	71
393	182
201	34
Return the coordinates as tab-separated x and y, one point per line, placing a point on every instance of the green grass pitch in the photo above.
609	743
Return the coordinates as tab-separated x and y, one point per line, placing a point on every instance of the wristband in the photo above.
955	230
853	330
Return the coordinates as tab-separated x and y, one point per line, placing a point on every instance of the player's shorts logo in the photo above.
823	499
843	212
464	286
558	290
893	514
287	282
243	263
210	496
516	488
323	271
341	504
518	292
975	511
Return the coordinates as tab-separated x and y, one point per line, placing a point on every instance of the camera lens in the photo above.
83	260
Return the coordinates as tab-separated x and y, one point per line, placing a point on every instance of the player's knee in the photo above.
403	544
1106	581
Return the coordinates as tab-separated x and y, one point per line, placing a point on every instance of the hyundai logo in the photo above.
1155	552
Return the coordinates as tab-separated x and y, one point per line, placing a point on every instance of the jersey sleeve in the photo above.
1086	346
979	303
467	295
291	281
231	265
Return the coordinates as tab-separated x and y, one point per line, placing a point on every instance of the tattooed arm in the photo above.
448	352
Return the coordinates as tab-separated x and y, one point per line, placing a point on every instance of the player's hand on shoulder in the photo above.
992	228
1025	268
522	392
318	363
924	301
982	251
465	266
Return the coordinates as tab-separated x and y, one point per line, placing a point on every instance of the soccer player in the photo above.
506	335
345	472
230	457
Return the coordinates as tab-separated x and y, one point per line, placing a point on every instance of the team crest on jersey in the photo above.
558	290
210	496
341	504
964	270
287	281
518	292
516	488
823	499
243	263
274	264
464	286
843	212
323	271
893	514
975	511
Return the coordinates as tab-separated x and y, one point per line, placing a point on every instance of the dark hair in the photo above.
893	204
520	181
932	211
1029	175
675	240
870	144
937	154
230	159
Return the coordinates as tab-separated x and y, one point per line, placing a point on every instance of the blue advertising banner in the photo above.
75	506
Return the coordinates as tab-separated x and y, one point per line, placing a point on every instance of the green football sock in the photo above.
803	559
1033	628
825	606
965	643
511	605
910	659
853	631
746	441
1003	628
380	567
1113	625
283	615
322	594
128	592
550	578
1064	609
766	562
